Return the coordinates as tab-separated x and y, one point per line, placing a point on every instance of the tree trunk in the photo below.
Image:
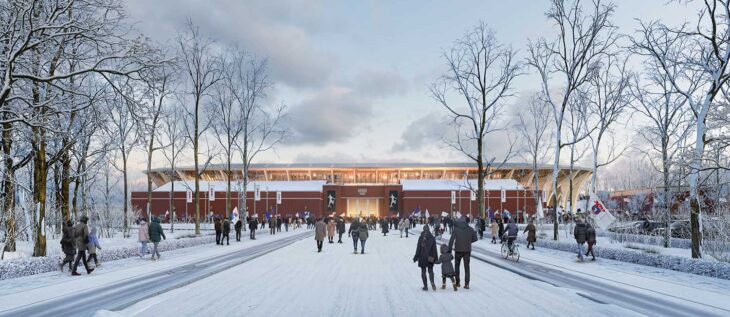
555	184
8	187
126	193
196	198
39	189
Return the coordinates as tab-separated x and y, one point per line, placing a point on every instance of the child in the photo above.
447	269
92	246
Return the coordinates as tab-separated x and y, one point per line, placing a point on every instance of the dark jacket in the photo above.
253	224
447	268
320	230
590	234
238	225
217	225
226	226
353	230
384	226
81	236
531	233
425	248
340	226
156	233
511	230
580	232
462	237
67	241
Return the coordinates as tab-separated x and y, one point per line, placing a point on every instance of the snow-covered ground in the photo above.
297	280
24	291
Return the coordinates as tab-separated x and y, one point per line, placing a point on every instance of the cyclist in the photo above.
510	231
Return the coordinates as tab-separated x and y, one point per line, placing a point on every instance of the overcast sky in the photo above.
354	74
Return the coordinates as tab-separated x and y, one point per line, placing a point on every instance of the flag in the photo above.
211	193
444	214
453	197
600	214
256	193
427	215
503	195
472	195
188	195
268	214
278	198
540	212
297	215
458	215
342	214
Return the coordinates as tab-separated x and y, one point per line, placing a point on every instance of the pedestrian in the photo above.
362	234
436	228
93	245
354	232
252	225
531	234
500	225
495	231
407	225
67	246
272	225
155	234
340	228
426	256
447	268
591	239
218	226
331	231
579	232
143	235
320	230
278	223
81	239
384	226
226	232
401	227
238	226
461	239
286	224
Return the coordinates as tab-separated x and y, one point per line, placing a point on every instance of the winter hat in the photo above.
425	228
84	219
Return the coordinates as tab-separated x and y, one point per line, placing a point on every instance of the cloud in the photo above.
335	114
277	30
380	83
425	131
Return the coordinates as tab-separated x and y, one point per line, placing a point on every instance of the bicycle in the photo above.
515	254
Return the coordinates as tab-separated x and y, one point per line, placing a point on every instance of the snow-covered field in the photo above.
297	280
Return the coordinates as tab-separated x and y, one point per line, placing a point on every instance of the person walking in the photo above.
495	231
384	226
226	232
462	237
531	234
591	239
320	230
426	256
238	226
286	224
354	232
407	225
81	239
579	232
67	246
155	234
340	228
500	225
143	236
272	225
331	231
93	245
252	225
362	234
447	268
481	225
218	226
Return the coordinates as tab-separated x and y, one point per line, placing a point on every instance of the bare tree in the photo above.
201	68
567	63
698	74
535	132
578	130
173	132
480	72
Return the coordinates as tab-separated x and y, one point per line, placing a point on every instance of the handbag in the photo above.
431	259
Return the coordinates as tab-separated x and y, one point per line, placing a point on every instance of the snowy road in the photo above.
297	280
133	288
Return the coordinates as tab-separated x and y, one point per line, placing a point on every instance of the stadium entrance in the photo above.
363	207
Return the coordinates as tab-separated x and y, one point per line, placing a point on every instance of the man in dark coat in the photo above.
226	232
481	225
81	239
320	230
252	225
462	236
238	226
531	234
156	232
67	245
218	231
580	236
354	232
591	239
426	256
340	228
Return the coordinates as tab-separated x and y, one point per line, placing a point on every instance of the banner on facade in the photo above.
331	200
278	198
189	195
211	193
393	200
453	197
473	195
256	193
503	194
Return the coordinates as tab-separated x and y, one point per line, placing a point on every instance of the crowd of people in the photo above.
76	240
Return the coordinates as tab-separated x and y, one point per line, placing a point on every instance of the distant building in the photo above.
378	189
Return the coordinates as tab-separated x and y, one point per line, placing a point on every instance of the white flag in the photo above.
427	215
453	197
444	214
504	195
473	195
256	193
211	193
189	195
458	215
278	198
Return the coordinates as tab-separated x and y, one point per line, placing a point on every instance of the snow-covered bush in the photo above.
716	236
670	262
36	265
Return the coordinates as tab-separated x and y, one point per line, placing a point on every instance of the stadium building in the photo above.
378	189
